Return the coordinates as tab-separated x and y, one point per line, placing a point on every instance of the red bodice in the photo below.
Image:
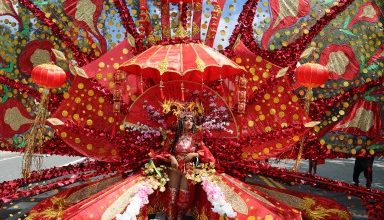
184	146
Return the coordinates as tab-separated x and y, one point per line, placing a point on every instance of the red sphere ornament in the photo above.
311	75
48	76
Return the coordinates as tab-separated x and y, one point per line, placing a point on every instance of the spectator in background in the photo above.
313	165
363	164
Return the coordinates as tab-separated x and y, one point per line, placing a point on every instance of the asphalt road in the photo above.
337	169
10	164
340	169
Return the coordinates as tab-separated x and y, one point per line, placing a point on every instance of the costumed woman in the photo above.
184	152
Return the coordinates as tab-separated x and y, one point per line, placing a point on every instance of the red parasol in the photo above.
190	61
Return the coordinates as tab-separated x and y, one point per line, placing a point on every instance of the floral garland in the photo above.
129	24
204	174
14	189
155	179
137	202
217	198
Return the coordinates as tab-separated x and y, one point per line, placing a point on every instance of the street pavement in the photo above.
339	169
10	164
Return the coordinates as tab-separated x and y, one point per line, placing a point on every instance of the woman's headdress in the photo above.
181	110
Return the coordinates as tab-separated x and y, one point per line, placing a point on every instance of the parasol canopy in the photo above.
190	61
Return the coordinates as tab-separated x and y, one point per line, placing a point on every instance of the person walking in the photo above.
363	164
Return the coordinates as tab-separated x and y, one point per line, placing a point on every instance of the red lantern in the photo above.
311	75
48	76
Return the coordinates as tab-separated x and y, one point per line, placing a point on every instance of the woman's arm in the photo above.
204	153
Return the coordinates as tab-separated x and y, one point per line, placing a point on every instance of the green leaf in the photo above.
373	67
5	91
346	22
347	32
9	68
19	140
327	2
25	31
59	55
151	163
376	147
371	98
282	72
307	52
41	2
363	61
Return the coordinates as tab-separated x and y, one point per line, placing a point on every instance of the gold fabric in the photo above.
369	12
4	8
287	8
40	56
53	212
85	10
163	66
200	64
286	198
195	28
157	207
241	186
200	214
337	62
306	205
91	190
363	120
237	203
317	212
121	202
15	119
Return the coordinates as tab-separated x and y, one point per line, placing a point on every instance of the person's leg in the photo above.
310	166
173	192
368	172
184	198
314	167
356	171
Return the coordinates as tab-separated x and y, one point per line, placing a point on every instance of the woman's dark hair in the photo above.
179	131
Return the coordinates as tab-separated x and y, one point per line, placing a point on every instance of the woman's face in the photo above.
188	123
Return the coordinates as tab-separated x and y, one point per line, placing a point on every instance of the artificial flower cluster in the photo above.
218	119
217	198
137	201
155	176
155	179
155	115
200	171
146	132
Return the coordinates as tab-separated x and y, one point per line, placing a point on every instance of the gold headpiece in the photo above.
181	110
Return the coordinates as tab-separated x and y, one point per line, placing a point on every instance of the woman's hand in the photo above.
190	156
173	160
